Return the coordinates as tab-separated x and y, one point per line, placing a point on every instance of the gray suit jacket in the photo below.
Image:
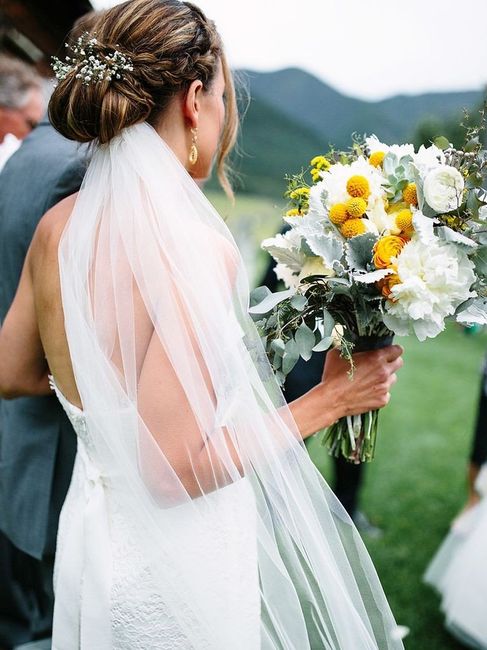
37	443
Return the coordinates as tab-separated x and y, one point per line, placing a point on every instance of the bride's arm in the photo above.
167	414
23	367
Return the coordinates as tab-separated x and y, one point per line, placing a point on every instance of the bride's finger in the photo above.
393	352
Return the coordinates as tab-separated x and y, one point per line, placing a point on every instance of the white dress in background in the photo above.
459	573
104	588
8	147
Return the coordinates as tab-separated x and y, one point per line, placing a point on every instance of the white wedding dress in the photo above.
195	519
99	548
459	573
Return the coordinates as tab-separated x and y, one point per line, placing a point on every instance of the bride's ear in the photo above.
192	103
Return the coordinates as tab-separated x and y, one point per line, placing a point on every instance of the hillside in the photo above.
293	116
303	97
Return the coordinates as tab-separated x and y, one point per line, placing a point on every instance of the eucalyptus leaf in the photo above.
328	323
441	142
271	301
291	356
299	302
305	340
472	144
324	344
278	346
258	295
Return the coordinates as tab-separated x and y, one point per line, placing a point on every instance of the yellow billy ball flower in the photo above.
409	194
338	213
358	186
376	158
353	227
385	249
320	162
356	207
293	213
404	220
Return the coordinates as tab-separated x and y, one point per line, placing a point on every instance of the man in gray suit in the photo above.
37	443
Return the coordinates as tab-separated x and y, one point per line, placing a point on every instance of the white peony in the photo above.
435	278
333	188
443	189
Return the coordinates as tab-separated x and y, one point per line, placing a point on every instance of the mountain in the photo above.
334	117
293	116
270	146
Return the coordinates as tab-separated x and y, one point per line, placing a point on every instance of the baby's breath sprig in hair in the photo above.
90	64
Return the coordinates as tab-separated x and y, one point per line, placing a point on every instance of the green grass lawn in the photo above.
416	484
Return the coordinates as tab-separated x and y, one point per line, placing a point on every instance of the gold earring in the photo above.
193	152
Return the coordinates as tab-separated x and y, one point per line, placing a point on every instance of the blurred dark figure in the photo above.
348	477
37	442
478	454
21	104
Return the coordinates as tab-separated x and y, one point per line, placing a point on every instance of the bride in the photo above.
195	518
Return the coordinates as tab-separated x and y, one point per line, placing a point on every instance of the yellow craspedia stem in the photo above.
409	194
404	220
358	186
386	249
356	207
376	158
352	228
320	162
338	213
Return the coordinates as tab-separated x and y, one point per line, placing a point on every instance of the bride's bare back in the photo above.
47	296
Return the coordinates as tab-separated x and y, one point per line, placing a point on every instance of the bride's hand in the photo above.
369	387
338	394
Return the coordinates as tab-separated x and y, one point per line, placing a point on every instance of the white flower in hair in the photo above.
90	64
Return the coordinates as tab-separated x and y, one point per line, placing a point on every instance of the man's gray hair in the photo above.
17	80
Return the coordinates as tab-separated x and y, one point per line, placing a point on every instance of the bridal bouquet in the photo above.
380	240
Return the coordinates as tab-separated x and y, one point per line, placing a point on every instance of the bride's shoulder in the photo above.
52	223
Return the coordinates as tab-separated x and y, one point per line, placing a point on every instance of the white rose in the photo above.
443	188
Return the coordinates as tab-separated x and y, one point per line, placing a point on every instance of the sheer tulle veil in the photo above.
182	408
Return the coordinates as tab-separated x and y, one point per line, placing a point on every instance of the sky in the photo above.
364	48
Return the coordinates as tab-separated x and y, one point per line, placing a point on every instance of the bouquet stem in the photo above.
354	436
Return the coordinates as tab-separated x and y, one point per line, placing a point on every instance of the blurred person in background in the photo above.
21	104
458	571
37	442
478	456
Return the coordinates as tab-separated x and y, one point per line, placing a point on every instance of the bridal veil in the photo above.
182	408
